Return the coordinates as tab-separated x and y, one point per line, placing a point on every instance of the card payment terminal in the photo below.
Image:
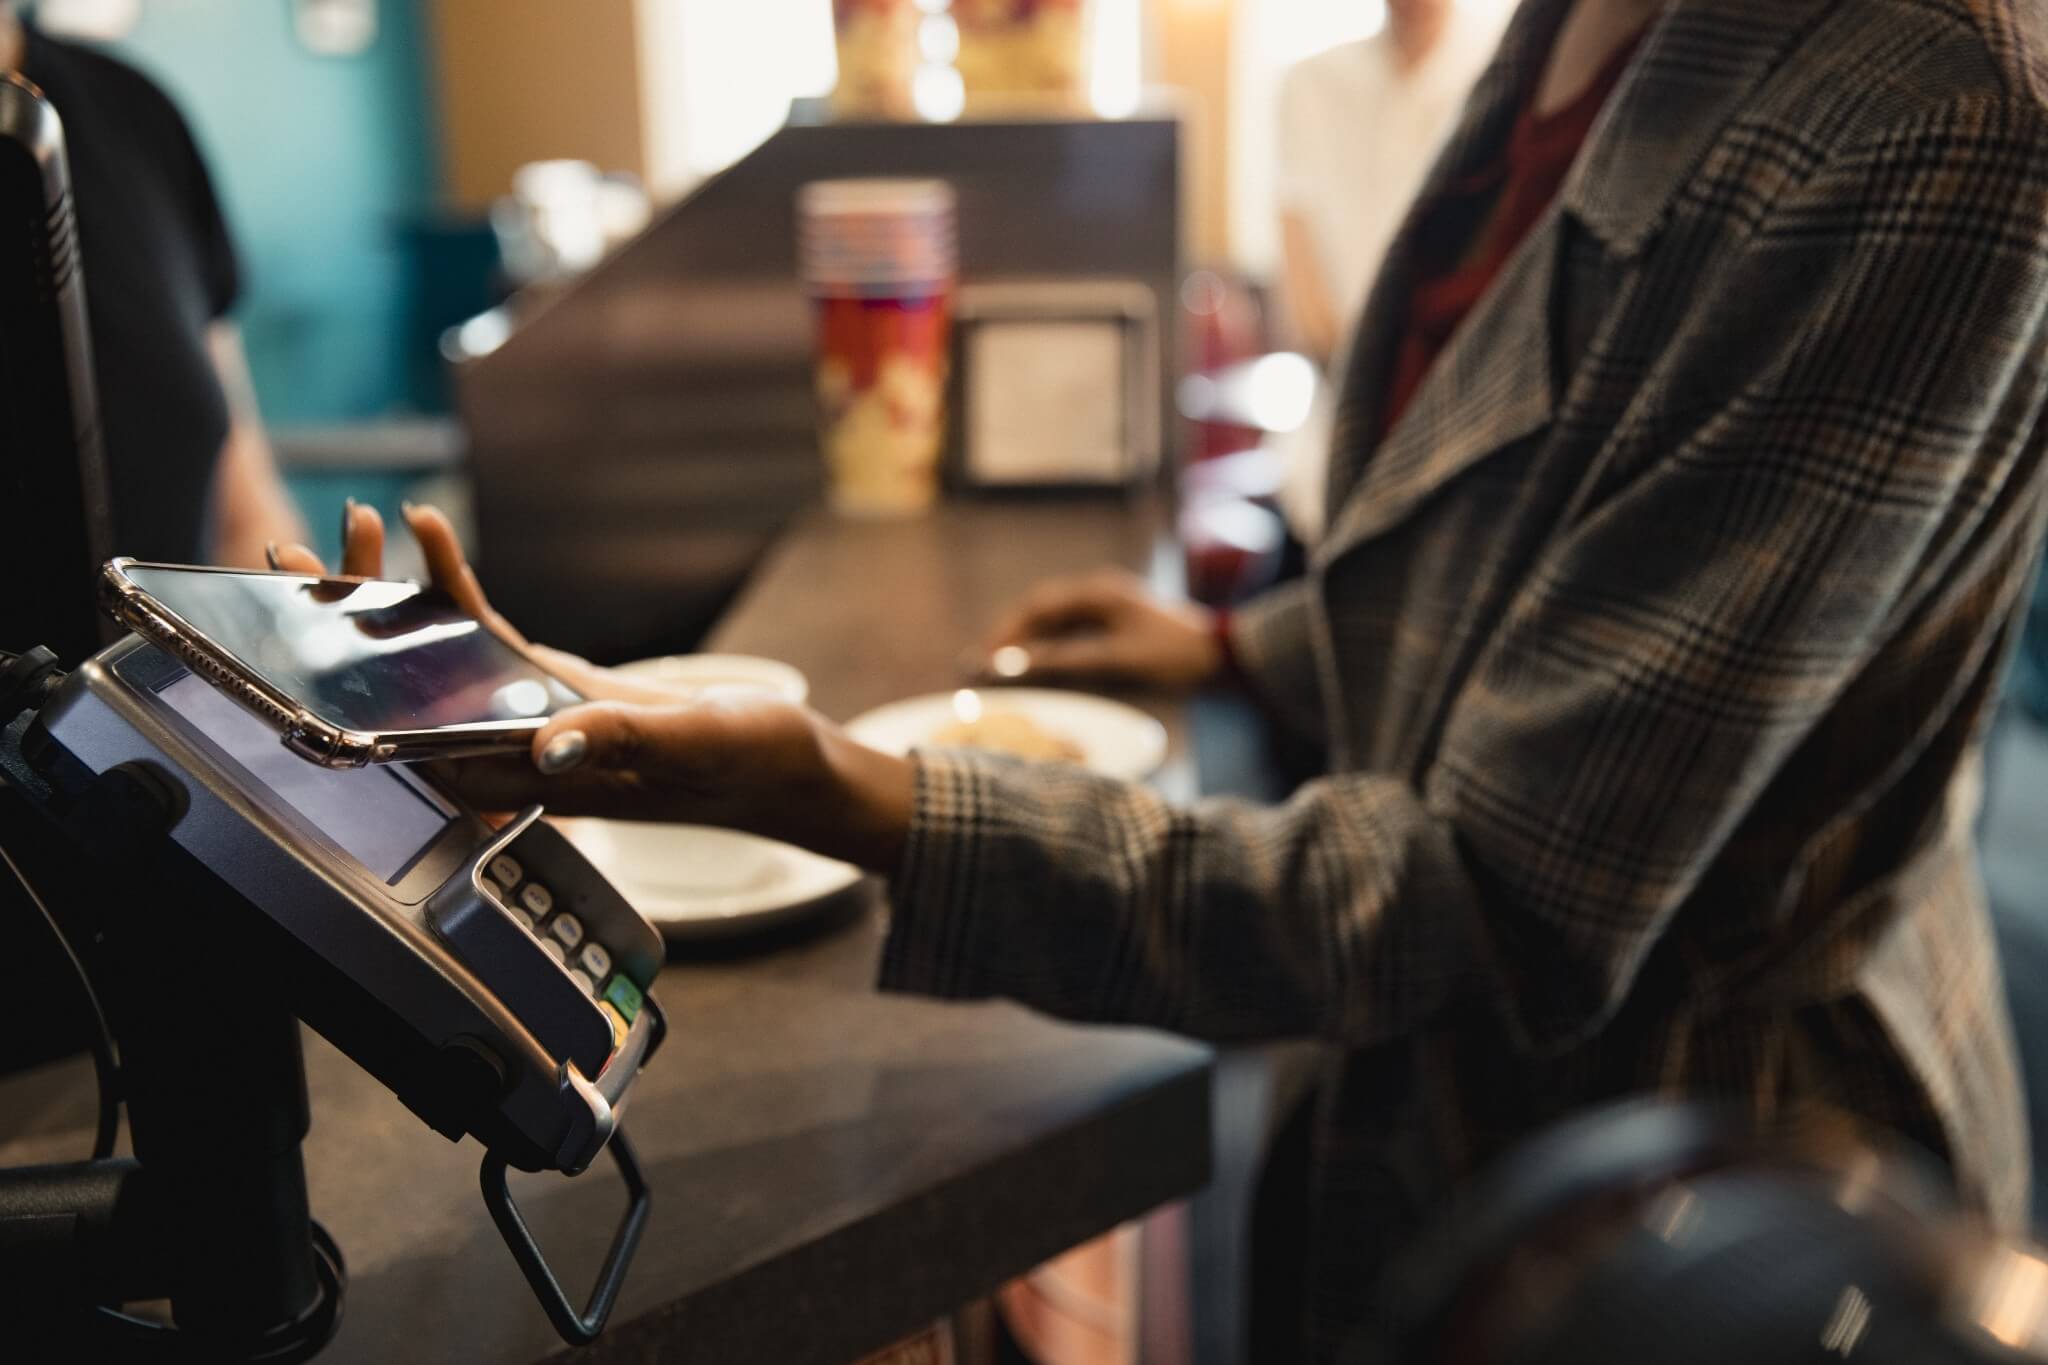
489	976
521	972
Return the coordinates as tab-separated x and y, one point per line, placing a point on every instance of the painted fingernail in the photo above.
1011	661
270	554
563	752
348	517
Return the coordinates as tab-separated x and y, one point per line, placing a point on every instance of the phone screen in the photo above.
372	656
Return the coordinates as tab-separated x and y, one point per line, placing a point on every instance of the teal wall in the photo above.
320	161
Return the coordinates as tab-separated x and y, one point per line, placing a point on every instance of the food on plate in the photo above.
1008	732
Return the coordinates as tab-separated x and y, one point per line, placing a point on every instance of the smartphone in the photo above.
349	670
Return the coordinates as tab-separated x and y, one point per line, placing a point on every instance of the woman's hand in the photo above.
638	751
1105	625
762	766
362	556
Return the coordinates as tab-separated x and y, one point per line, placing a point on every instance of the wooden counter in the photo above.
832	1168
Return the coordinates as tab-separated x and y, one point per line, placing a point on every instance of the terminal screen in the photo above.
384	818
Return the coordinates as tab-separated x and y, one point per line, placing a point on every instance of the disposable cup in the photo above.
878	258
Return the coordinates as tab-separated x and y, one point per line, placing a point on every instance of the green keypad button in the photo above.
624	995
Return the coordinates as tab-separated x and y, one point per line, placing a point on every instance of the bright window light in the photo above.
717	78
1117	75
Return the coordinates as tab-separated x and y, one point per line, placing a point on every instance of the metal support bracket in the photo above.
578	1329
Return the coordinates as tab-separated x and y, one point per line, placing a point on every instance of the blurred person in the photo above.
189	468
1359	127
189	471
1689	477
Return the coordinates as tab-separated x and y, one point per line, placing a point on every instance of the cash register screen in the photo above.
381	817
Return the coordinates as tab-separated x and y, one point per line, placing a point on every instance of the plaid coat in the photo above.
1646	646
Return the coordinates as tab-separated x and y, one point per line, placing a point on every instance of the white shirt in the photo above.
1358	132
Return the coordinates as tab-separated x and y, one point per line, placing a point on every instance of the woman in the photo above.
1665	589
1359	126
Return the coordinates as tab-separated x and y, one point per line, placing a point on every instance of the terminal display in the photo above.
381	817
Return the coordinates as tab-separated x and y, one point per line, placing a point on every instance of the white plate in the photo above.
1116	740
701	673
694	882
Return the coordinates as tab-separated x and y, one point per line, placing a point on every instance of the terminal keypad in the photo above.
562	937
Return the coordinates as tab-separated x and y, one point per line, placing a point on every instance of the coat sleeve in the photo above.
1876	379
1270	642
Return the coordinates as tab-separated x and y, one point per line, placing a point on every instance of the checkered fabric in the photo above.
1648	647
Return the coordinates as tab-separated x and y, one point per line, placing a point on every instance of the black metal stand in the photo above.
211	1213
216	1093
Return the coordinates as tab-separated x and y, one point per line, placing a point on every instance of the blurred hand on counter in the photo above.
635	751
1105	626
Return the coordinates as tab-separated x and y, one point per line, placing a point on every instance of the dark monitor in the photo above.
54	521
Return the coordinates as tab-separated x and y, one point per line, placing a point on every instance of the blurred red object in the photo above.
1253	475
1233	546
1223	324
